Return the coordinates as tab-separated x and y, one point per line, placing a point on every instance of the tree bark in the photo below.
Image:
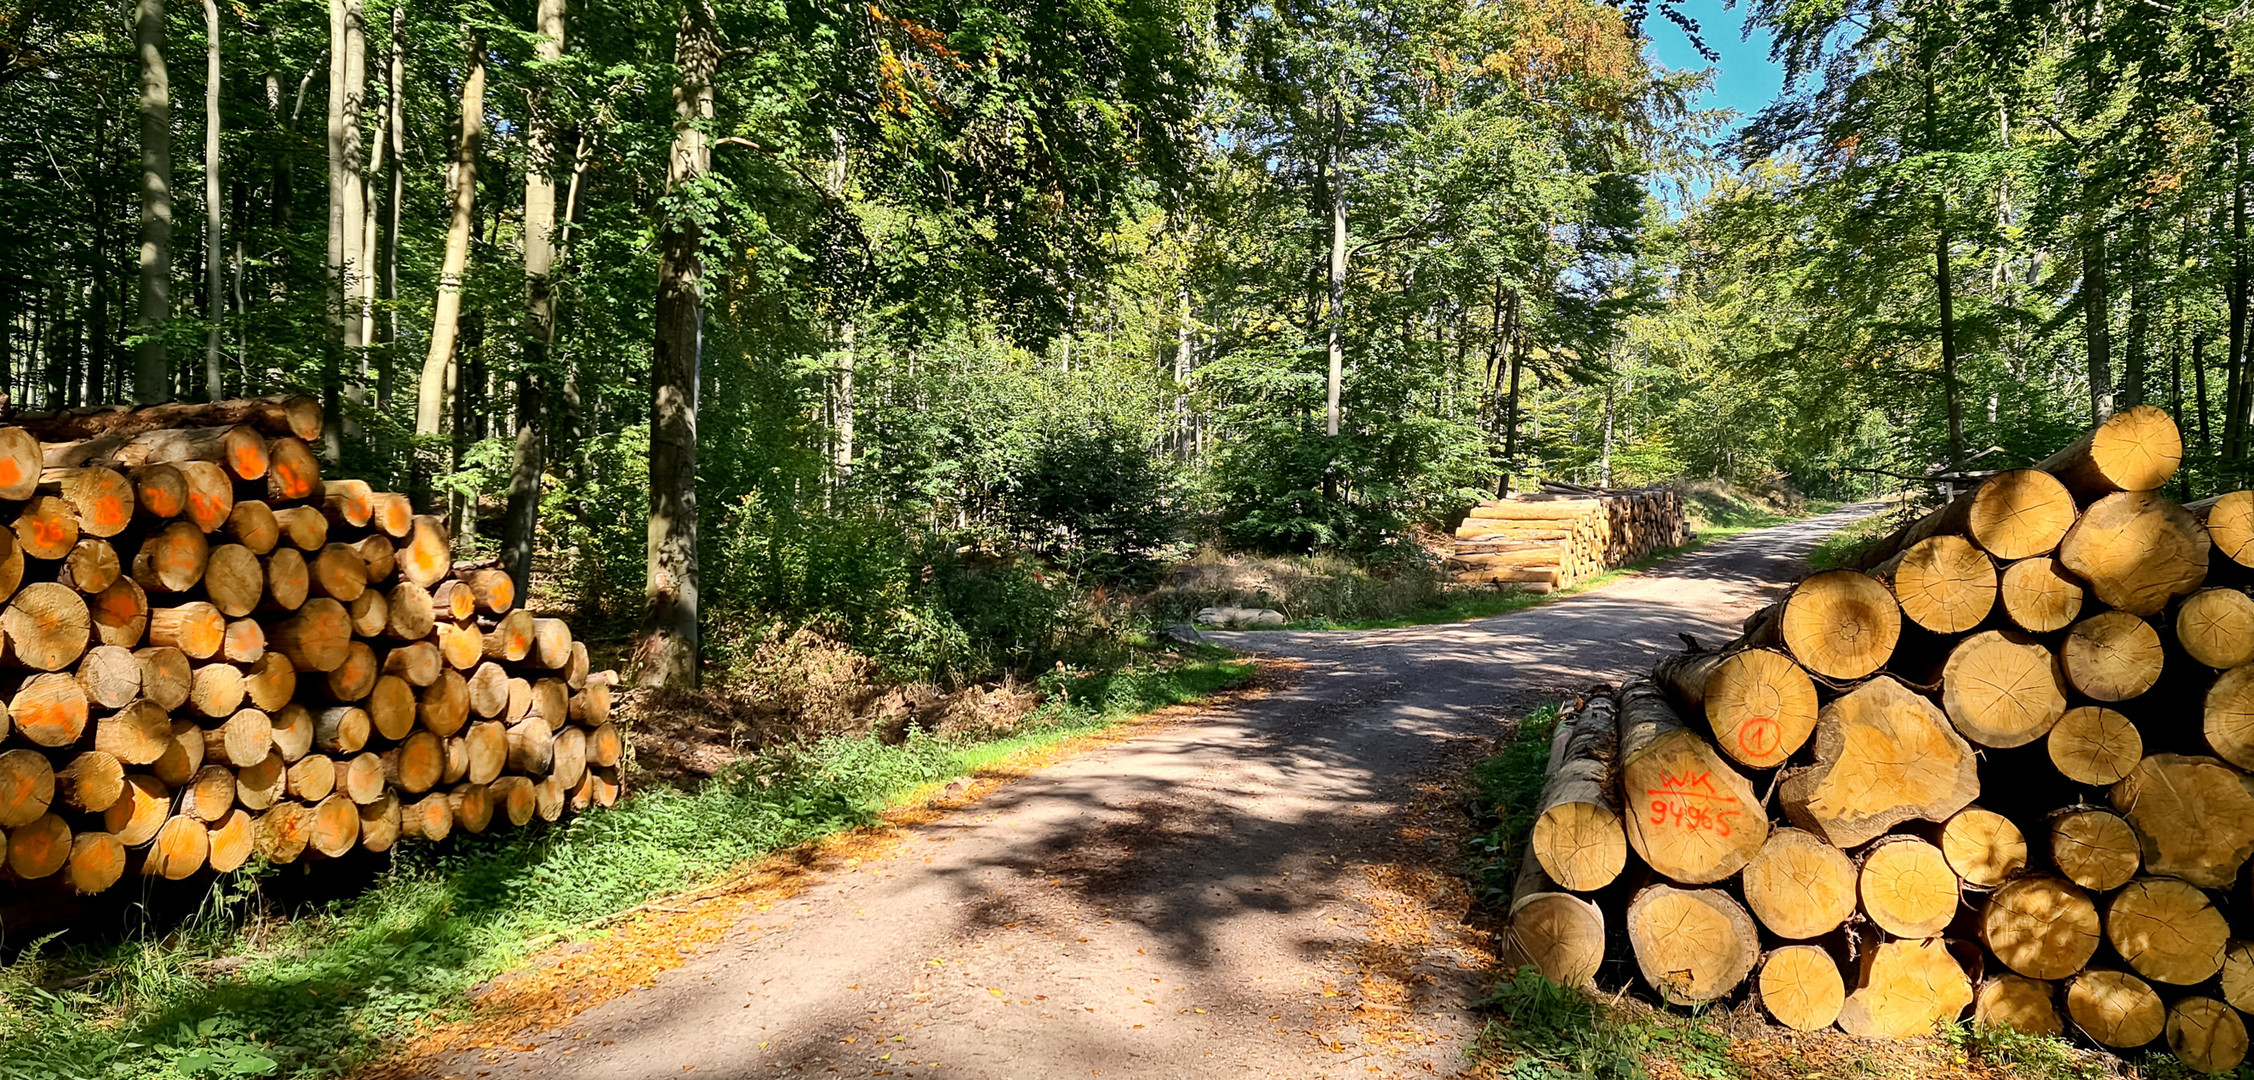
152	380
522	517
214	303
1337	276
439	363
1945	290
669	629
845	372
2234	417
2097	316
395	127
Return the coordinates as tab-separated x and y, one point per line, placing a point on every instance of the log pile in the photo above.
1563	535
2001	767
209	652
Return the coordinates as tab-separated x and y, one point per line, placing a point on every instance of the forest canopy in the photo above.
787	311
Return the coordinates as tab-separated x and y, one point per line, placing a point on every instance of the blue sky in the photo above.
1744	80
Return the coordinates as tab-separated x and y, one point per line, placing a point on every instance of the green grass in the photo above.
1846	545
327	988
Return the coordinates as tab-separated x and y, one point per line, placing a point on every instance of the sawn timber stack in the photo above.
1564	535
2000	767
209	651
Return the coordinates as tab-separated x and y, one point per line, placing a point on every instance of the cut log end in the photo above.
1907	888
2206	1035
1841	624
2040	927
2094	745
1943	583
1691	945
2115	1009
1801	987
2039	596
1905	990
1884	756
2167	930
2027	1006
1983	847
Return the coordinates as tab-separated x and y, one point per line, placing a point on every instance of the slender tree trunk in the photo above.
1337	274
214	302
523	515
2134	356
1946	289
846	361
104	257
152	373
2199	385
2234	416
440	362
669	649
395	129
2097	319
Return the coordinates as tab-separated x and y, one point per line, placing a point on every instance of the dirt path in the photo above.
1253	893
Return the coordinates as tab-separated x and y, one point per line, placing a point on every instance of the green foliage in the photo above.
332	986
1095	501
2036	1057
1507	786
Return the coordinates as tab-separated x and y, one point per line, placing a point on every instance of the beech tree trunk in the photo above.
152	375
215	295
1337	277
522	517
669	646
439	362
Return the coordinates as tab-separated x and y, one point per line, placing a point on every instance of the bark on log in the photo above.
1883	756
1690	815
299	416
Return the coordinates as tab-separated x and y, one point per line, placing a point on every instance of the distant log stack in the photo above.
208	651
2060	644
1564	535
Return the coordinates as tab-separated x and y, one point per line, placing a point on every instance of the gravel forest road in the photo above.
1254	891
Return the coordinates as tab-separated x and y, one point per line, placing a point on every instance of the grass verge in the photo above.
328	988
1846	545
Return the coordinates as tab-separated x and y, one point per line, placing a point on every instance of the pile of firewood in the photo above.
1563	535
2002	766
207	651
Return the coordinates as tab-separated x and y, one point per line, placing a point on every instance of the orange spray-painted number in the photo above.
1692	802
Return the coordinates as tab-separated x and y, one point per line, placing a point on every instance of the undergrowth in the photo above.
1848	544
242	992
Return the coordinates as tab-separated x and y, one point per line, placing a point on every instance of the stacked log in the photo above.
2002	767
1563	535
208	652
